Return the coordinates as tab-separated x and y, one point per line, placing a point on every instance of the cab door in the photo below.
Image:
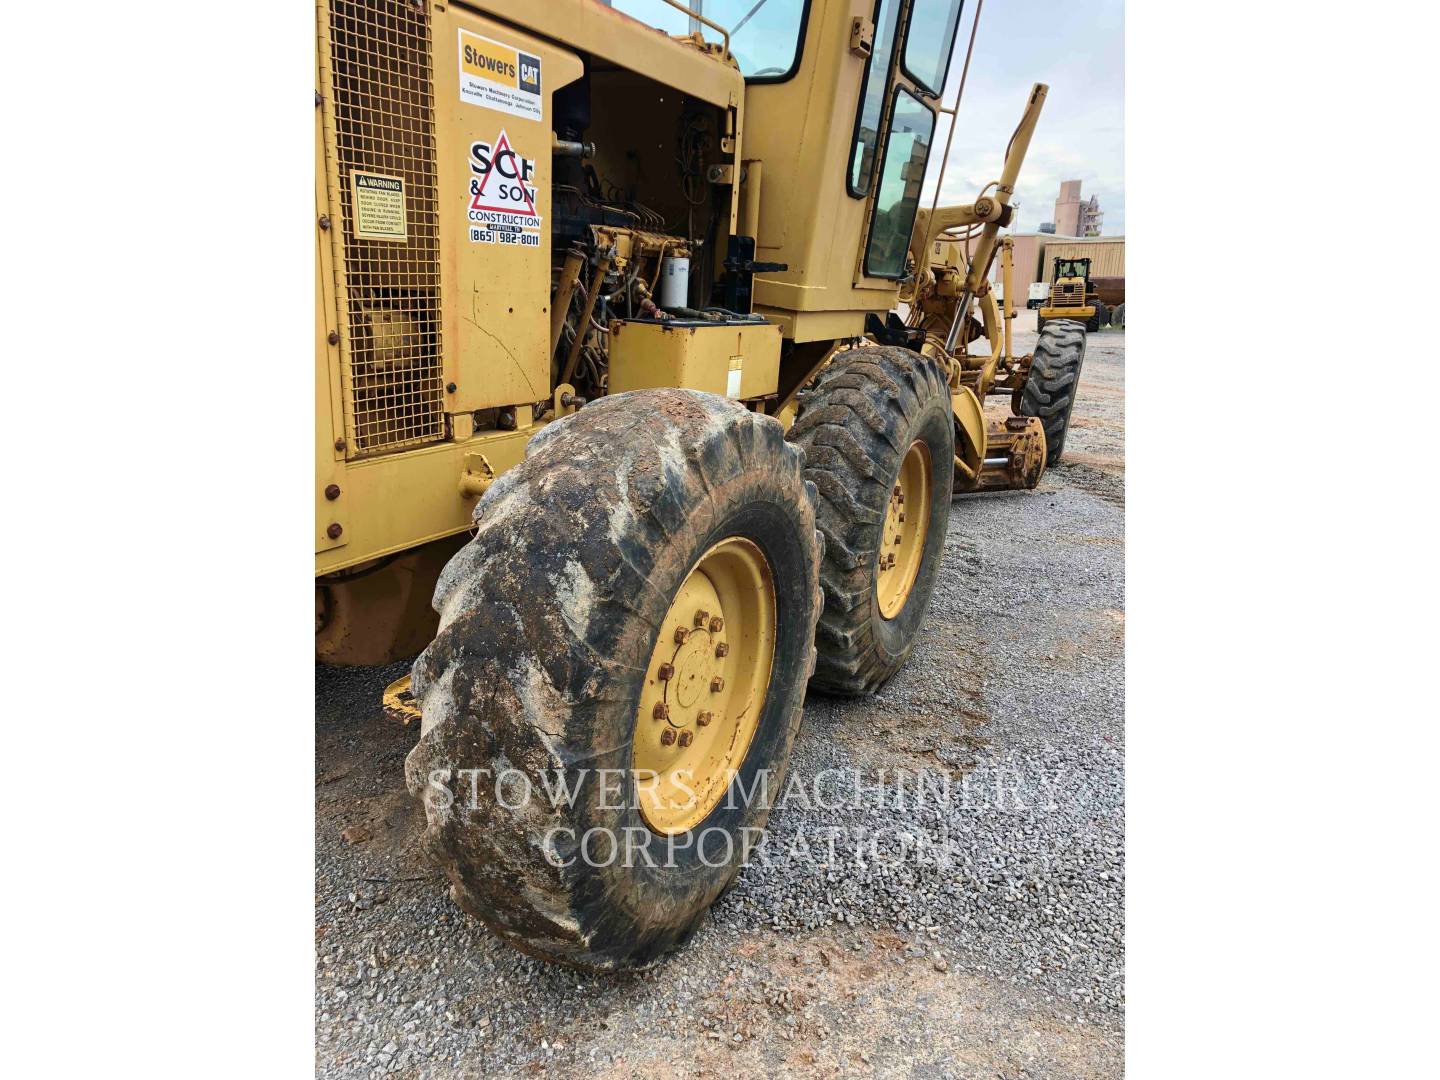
895	126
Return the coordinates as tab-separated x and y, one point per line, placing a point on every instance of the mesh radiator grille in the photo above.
1067	296
384	124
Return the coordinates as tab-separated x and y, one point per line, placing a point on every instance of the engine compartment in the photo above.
641	210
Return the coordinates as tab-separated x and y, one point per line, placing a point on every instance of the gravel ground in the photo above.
966	919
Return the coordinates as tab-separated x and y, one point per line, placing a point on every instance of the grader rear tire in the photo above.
657	529
877	434
1049	392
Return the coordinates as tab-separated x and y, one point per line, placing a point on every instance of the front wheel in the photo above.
609	705
1049	391
879	446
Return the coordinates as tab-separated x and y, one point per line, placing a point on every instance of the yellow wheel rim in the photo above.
902	539
705	686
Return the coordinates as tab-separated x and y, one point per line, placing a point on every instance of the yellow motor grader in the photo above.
618	421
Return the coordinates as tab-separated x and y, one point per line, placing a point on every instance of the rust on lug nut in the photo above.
701	618
717	624
667	736
686	738
704	719
681	633
667	671
717	684
661	711
722	650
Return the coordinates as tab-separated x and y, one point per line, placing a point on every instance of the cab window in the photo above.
765	37
907	151
872	100
930	41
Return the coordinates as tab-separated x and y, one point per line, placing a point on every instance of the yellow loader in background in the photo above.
1073	296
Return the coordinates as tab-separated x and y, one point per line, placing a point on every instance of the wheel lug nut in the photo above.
717	684
667	736
680	635
701	618
717	624
667	672
704	719
661	711
686	738
722	650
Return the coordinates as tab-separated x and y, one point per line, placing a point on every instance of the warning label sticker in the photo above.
502	196
377	205
499	77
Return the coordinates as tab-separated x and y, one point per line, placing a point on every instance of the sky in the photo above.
1078	50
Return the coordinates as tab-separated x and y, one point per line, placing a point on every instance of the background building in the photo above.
1074	216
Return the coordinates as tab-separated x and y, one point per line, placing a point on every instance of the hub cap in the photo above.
704	687
902	538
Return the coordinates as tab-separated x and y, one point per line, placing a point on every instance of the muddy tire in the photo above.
1049	392
549	620
857	428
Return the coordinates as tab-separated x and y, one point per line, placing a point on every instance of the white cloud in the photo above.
1079	51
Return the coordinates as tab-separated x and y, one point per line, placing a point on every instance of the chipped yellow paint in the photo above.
399	701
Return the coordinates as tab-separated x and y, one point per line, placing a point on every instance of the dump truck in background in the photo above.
608	366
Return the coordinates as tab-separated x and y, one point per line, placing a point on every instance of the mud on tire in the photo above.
1049	392
855	427
547	623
